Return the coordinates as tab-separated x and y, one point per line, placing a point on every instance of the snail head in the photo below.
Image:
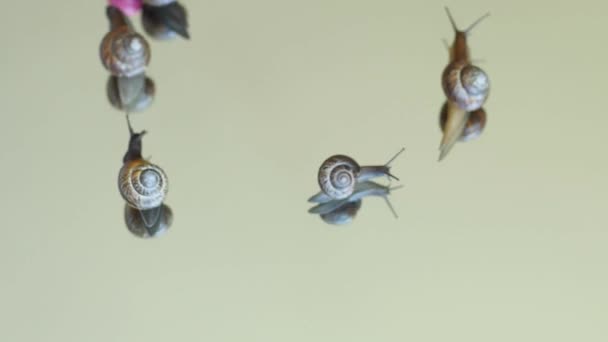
135	144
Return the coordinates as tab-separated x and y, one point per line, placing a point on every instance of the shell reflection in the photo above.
343	211
148	223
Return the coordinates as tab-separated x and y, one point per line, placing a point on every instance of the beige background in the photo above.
506	240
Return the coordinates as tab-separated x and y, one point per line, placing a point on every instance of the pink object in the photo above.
128	7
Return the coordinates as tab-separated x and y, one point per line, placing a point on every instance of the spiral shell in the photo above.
338	176
466	84
474	126
148	223
142	184
140	101
342	215
124	52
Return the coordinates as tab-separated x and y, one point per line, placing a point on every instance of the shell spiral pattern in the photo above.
143	185
465	84
124	52
338	176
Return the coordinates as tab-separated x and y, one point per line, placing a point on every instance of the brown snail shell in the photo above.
465	84
132	94
338	176
124	52
474	126
148	223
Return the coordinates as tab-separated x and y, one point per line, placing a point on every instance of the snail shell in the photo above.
474	126
148	223
465	84
134	98
142	184
338	176
344	214
165	20
124	52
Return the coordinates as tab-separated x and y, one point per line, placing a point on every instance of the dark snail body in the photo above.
165	19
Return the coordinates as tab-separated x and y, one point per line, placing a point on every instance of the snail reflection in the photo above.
466	87
343	211
126	54
144	186
148	223
344	183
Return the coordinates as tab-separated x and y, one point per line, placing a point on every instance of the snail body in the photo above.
165	19
343	211
339	174
123	52
143	185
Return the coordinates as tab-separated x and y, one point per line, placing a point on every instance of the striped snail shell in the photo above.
344	214
465	84
142	184
148	223
475	125
124	52
338	176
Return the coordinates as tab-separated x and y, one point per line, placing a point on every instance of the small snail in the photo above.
148	223
142	184
165	19
464	83
466	86
474	125
133	94
342	211
339	174
124	52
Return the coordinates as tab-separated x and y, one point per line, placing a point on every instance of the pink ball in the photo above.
128	7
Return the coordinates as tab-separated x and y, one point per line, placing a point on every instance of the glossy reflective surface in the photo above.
504	240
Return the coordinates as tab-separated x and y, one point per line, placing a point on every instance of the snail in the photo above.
142	184
148	223
342	211
464	83
124	52
339	174
129	94
165	19
466	86
474	125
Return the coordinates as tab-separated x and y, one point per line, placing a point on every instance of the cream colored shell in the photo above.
142	184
